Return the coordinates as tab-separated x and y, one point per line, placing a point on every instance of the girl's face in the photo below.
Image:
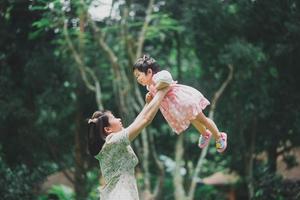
115	124
143	78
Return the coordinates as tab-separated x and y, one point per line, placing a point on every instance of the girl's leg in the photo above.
221	138
209	124
199	126
205	134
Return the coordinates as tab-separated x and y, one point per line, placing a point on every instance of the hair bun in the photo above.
145	58
148	60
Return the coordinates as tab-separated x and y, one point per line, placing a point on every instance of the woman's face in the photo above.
143	78
115	124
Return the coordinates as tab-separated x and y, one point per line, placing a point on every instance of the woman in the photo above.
109	142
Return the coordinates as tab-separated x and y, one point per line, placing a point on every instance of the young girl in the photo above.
181	106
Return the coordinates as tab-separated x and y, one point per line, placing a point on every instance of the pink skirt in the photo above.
181	105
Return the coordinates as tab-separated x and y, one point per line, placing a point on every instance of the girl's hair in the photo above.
96	132
146	62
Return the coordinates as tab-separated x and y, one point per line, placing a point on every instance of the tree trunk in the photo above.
80	173
272	157
249	165
179	191
178	182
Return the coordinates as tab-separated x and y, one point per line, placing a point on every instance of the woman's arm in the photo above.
146	115
161	85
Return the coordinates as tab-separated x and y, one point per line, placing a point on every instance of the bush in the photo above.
17	183
271	186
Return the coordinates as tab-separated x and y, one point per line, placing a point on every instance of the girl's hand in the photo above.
148	97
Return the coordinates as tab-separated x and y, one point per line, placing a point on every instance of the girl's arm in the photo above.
146	115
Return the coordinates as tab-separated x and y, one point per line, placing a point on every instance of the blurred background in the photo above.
60	60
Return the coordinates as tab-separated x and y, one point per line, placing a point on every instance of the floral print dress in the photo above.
117	162
181	104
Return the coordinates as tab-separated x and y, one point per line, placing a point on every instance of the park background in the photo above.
61	60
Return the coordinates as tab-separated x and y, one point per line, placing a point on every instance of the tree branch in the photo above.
214	101
56	160
141	38
125	36
160	165
146	160
84	70
220	91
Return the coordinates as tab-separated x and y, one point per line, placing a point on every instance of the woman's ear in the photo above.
107	130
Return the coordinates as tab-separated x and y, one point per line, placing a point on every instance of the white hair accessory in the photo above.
147	59
92	120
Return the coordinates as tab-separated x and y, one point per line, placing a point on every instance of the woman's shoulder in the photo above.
114	141
119	137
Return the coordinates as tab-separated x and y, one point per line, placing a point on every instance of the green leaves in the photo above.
161	25
62	192
17	183
42	23
232	8
274	72
7	12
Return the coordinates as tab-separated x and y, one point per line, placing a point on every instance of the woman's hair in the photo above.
146	62
96	132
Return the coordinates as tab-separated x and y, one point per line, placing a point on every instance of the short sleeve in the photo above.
163	76
120	138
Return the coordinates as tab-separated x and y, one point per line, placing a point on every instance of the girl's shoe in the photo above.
221	143
204	139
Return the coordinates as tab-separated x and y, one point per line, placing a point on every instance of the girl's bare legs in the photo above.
205	134
199	126
209	124
221	138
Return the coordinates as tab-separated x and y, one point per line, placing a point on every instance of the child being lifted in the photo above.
181	106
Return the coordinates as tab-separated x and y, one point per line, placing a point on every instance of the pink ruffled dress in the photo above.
181	104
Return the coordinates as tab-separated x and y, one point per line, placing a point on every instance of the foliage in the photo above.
269	186
58	192
44	102
18	182
209	192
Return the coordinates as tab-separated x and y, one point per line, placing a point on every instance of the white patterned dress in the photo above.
117	162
